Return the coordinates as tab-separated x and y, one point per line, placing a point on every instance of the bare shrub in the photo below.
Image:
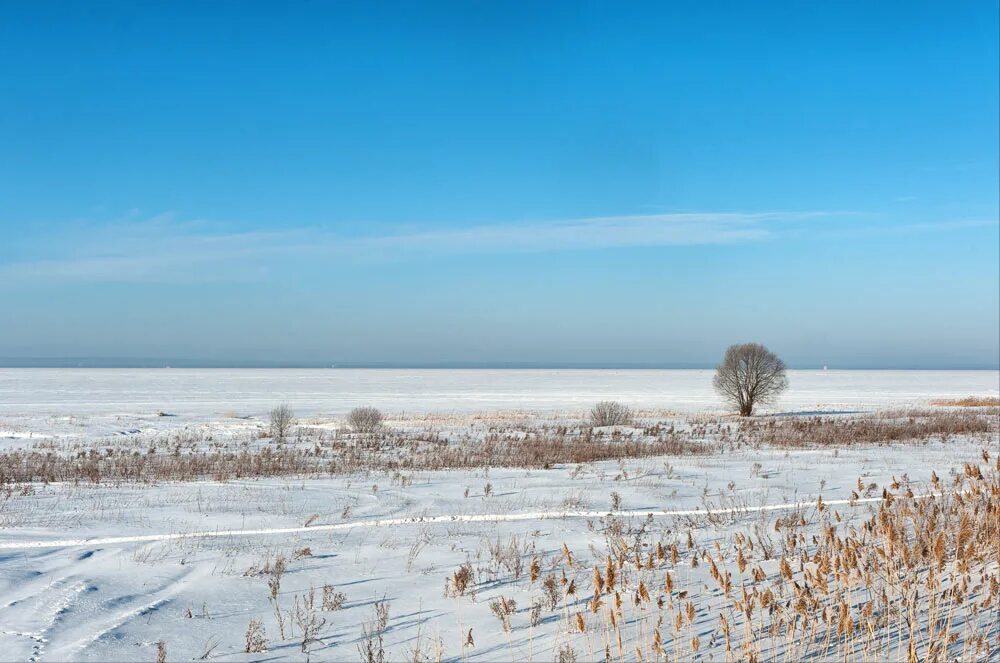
503	608
274	591
508	555
610	413
305	615
255	638
332	599
460	580
365	420
161	652
280	422
552	594
750	375
535	614
371	648
566	654
425	653
274	582
382	614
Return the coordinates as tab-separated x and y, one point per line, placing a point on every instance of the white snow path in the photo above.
423	520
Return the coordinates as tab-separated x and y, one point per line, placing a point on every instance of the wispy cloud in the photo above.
593	233
162	248
156	248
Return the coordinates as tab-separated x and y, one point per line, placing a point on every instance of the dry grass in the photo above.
18	467
545	452
184	456
332	458
916	581
968	401
879	428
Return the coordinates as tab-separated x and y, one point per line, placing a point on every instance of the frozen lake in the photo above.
212	392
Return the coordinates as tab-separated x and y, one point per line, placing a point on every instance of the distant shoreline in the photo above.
152	363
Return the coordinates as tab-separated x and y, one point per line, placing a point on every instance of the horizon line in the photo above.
187	363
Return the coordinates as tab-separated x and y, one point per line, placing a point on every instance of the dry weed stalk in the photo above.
255	638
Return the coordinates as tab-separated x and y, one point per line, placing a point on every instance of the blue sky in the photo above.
501	182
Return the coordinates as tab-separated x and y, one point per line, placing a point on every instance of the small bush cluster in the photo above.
365	420
610	413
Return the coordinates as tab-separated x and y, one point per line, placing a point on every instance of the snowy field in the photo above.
94	402
483	563
212	392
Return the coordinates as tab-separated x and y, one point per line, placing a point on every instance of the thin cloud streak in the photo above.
161	249
593	233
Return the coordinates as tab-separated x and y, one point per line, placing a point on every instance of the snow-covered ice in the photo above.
93	402
214	392
103	572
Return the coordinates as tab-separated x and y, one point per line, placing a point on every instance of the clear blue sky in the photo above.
501	182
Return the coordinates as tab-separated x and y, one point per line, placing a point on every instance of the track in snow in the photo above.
422	520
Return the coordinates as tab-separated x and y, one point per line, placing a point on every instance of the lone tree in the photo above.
749	375
281	422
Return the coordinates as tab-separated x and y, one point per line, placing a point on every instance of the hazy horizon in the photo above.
188	363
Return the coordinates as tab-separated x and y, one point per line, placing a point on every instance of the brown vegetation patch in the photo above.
318	452
968	401
878	428
913	580
332	458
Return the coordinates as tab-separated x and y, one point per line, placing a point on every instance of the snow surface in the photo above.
213	392
112	600
68	403
104	572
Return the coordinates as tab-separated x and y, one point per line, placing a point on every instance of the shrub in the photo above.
255	638
365	420
281	421
610	413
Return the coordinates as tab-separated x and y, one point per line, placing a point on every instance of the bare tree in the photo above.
750	375
610	413
365	420
281	421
